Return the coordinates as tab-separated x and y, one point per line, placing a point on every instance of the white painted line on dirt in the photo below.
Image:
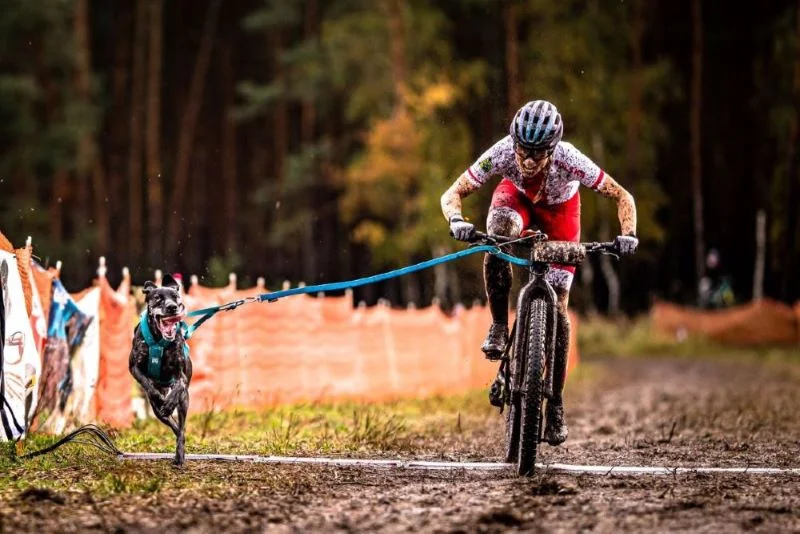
478	466
343	462
656	470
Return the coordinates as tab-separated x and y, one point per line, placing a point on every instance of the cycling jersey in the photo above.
559	182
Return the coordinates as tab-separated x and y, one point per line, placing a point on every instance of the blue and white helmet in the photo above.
537	126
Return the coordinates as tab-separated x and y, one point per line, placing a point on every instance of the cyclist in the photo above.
540	175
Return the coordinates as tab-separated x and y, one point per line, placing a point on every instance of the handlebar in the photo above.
591	247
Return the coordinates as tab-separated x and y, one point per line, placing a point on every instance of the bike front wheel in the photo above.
532	387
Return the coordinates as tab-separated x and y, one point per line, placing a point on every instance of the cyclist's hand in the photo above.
626	244
460	229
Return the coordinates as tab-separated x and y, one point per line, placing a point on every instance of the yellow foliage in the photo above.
438	95
369	232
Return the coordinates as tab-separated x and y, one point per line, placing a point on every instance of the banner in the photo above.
38	317
66	329
21	366
76	398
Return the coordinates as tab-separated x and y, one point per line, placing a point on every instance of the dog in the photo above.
159	359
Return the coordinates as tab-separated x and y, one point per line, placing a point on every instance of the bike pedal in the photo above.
494	356
496	394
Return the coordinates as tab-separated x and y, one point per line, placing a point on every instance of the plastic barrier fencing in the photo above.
65	354
307	349
766	322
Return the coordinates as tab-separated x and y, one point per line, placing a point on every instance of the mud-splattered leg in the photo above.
556	432
562	346
497	277
183	408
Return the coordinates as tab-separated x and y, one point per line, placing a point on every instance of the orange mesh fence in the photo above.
766	322
5	244
44	283
305	349
113	394
24	268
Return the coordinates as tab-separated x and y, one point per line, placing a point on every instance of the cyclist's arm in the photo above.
461	188
626	206
495	161
592	176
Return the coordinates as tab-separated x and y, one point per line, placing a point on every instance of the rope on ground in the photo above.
92	435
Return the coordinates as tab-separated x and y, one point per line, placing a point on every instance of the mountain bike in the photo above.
524	380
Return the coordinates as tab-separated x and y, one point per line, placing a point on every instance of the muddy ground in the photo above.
628	412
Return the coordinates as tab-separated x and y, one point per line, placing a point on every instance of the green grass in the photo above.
637	338
307	429
382	429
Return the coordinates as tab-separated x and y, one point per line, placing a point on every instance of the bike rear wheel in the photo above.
530	401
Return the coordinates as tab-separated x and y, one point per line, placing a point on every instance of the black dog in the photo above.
159	358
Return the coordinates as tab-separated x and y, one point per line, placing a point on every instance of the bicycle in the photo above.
525	378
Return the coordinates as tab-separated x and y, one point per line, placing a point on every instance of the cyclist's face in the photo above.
531	162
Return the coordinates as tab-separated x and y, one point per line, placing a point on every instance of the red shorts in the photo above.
561	222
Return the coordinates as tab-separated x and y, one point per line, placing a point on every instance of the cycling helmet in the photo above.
537	126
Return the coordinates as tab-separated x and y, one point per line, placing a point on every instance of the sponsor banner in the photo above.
21	365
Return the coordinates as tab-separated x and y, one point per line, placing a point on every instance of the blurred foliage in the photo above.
355	175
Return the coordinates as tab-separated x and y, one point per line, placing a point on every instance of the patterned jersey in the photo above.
568	169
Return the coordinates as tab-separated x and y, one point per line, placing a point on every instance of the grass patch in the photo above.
347	429
636	337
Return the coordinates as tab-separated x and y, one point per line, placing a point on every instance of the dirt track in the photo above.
631	412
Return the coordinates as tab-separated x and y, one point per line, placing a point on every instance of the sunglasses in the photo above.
535	155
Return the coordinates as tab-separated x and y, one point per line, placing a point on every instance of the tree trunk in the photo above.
587	285
790	251
155	184
397	39
60	191
635	100
696	141
412	294
259	213
89	165
510	11
116	142
229	152
281	113
606	267
761	247
82	213
135	212
445	283
189	124
280	145
308	118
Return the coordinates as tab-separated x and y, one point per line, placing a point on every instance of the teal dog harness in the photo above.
156	349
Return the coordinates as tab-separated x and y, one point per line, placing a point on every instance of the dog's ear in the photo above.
148	287
170	282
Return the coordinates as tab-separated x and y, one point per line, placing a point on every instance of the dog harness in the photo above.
156	349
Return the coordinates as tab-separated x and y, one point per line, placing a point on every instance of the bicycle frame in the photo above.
536	323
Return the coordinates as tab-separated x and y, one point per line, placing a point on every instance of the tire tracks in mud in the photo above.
634	412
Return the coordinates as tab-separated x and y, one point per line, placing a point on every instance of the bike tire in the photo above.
533	387
515	370
512	423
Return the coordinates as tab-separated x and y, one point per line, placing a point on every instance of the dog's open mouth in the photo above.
168	325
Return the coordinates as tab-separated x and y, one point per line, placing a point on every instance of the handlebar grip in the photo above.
609	246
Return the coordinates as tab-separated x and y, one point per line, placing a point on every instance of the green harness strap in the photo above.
156	349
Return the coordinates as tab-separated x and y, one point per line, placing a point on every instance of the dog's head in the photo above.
165	306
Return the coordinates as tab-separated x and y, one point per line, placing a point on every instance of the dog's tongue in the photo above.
172	319
169	325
